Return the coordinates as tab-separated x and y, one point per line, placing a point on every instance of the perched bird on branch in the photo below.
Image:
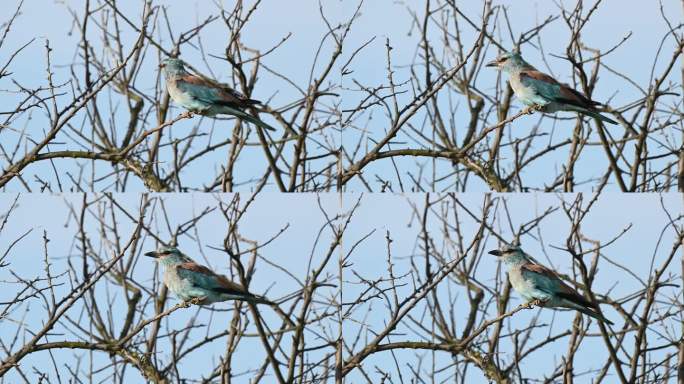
541	91
540	285
191	281
201	96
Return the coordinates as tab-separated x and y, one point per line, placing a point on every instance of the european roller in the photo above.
188	280
201	96
541	91
534	282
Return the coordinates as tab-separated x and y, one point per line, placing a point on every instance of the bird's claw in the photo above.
533	303
532	109
187	114
193	301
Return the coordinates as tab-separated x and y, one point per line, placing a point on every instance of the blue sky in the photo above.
271	212
612	21
294	60
382	19
300	213
611	214
265	219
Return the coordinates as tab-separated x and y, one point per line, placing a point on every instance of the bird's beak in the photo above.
495	252
151	254
492	63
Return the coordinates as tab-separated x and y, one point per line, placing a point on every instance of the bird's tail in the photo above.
251	101
594	314
245	116
252	298
596	115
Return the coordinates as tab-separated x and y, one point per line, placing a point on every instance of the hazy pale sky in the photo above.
381	19
611	22
273	212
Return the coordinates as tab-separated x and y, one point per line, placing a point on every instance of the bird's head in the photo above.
167	255
508	61
509	252
172	66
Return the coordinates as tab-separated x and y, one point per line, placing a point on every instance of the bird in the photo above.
202	96
191	281
536	283
541	91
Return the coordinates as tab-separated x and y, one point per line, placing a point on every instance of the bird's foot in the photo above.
530	110
193	301
187	114
534	303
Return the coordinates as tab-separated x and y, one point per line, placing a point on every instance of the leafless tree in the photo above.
437	314
439	122
442	310
107	124
352	303
98	314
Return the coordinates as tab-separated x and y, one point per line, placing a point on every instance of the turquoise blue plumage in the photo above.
537	89
188	280
534	281
204	97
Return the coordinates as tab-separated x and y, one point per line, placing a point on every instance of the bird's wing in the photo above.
551	89
213	281
213	93
552	284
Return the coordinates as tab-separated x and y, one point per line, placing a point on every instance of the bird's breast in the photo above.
519	283
516	85
176	94
184	98
521	91
174	282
